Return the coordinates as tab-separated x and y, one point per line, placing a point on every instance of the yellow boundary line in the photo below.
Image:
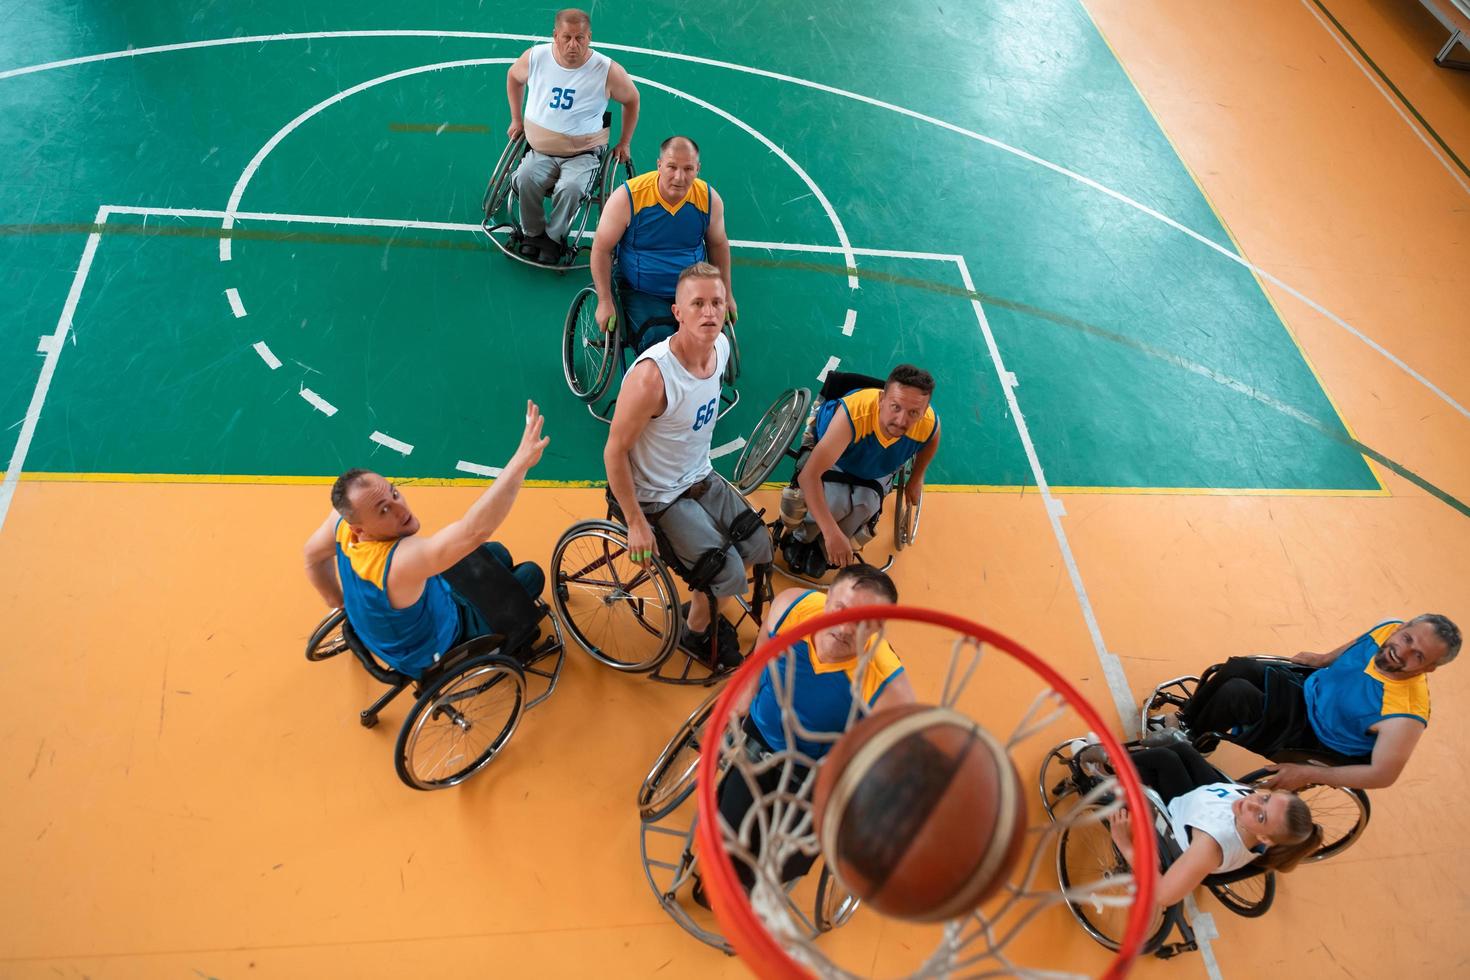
1225	225
251	479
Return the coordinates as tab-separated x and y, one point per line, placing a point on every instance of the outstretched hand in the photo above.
1121	827
528	453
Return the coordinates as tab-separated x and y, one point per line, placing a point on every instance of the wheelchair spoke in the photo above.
603	593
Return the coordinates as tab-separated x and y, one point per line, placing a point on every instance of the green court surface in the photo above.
1141	358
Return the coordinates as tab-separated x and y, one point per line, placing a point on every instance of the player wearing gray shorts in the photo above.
657	457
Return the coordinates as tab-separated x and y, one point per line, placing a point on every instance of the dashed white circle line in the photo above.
267	355
397	445
236	306
465	466
850	323
318	402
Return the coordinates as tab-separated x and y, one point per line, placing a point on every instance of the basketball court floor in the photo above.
1192	280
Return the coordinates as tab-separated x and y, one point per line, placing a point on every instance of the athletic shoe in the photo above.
1090	756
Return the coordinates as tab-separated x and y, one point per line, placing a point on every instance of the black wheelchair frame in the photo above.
770	444
1247	891
592	557
1346	812
666	842
449	689
500	210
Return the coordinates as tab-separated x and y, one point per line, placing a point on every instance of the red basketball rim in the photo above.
743	928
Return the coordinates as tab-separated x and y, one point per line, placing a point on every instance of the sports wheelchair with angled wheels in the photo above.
1090	866
667	819
591	357
629	617
770	443
467	704
1342	813
501	207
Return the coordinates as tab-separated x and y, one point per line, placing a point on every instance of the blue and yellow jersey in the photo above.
1349	695
821	693
872	455
407	639
663	239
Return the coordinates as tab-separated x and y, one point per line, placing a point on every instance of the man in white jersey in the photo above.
657	457
569	86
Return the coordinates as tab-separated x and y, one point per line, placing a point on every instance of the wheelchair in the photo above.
501	209
666	845
1087	860
591	356
629	617
1342	813
770	443
468	704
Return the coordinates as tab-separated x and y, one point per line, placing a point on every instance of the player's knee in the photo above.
731	578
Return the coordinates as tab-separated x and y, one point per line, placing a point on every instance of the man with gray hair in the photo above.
1366	703
565	123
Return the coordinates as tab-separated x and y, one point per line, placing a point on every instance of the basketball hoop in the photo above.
779	824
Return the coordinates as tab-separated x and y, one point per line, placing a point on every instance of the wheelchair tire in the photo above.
497	192
671	779
327	640
600	595
732	366
771	438
1342	814
587	352
1250	897
1086	856
905	516
834	904
486	695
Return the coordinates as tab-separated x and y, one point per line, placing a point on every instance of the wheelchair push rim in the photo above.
497	192
671	780
1342	814
1249	897
607	602
587	351
770	440
327	640
905	515
460	723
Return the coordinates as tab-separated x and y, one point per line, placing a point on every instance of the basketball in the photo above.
919	813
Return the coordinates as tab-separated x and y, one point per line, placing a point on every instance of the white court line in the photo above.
733	445
1353	57
849	323
45	344
792	80
398	445
1111	666
831	366
464	466
236	307
458	226
271	360
318	402
48	369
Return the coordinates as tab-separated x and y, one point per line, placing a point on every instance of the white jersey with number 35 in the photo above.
570	101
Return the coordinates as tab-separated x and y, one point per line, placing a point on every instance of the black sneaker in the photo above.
697	645
700	898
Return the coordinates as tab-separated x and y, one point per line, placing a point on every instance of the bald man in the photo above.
657	225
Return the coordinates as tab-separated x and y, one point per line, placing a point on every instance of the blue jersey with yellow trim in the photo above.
662	239
1349	695
872	455
821	693
407	639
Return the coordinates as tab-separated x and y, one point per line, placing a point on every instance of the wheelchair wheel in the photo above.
460	722
1341	813
1087	862
623	615
327	639
671	779
732	366
498	190
835	904
905	515
1250	896
586	350
771	438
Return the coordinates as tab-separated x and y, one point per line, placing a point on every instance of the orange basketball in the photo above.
919	812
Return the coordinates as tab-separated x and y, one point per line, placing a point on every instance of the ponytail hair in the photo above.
1303	837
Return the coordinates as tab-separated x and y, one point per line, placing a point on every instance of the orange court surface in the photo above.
185	796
